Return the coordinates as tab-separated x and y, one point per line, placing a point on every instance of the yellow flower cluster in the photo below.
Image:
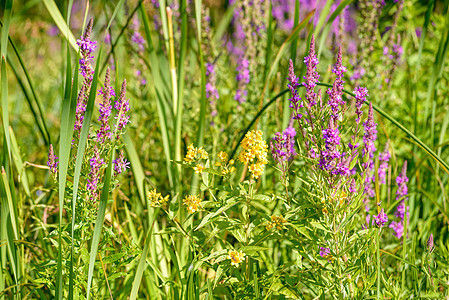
226	166
236	257
194	154
156	198
193	203
254	152
276	222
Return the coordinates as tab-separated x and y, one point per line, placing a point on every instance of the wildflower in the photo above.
330	159
199	169
193	203
52	163
104	132
194	153
360	97
398	228
87	47
254	153
370	131
324	252
400	212
122	107
284	145
226	166
312	76
276	221
335	93
381	218
295	100
120	164
80	109
352	186
223	156
156	198
94	175
236	257
191	154
384	157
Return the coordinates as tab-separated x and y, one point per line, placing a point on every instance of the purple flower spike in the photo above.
381	218
95	166
398	228
401	181
120	164
370	132
80	109
312	76
87	47
402	192
104	133
360	97
283	148
336	92
122	107
52	163
295	100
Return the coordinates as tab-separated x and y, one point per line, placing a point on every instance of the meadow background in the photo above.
141	202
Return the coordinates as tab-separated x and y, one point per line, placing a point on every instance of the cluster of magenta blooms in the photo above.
105	136
331	159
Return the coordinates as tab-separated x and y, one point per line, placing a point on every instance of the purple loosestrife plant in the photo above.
87	47
312	76
95	163
335	93
295	100
122	107
401	193
120	164
324	252
52	163
283	150
104	133
381	218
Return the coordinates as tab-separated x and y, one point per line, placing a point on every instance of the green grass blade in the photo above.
59	21
158	86
17	158
203	100
180	96
136	165
99	223
141	267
